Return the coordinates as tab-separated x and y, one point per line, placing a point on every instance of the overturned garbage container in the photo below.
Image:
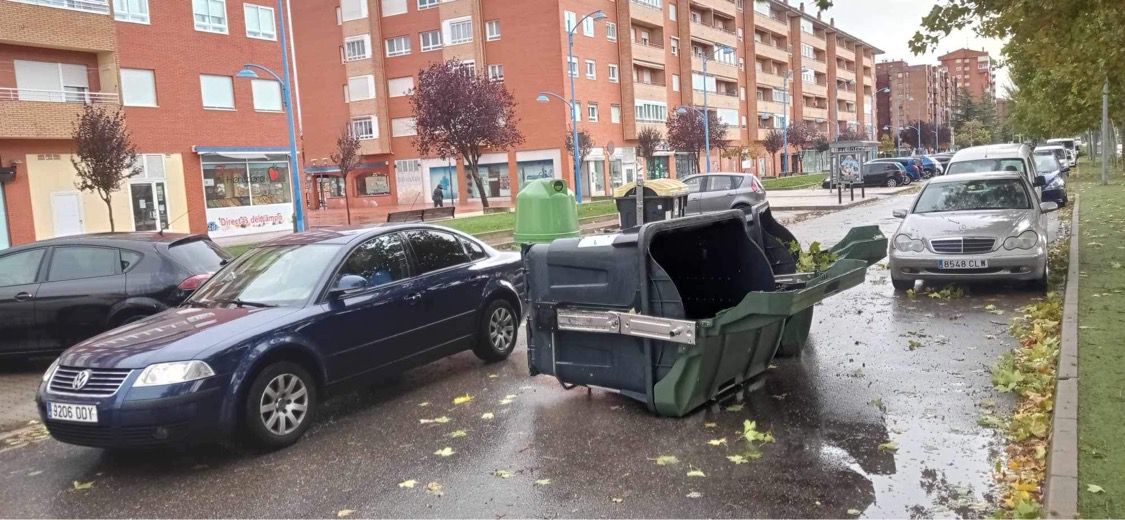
664	199
673	313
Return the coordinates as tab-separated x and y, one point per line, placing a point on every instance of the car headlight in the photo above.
174	372
1025	240
50	371
903	242
1055	183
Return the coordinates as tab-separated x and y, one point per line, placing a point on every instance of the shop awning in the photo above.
242	153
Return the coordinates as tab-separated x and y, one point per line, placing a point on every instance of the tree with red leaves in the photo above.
773	143
461	113
105	155
686	134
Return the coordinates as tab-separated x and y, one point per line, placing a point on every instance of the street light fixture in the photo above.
719	50
596	15
294	169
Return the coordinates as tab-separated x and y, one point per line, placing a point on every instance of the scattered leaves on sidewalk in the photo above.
408	484
694	494
751	434
444	452
913	344
81	486
738	459
734	408
710	425
665	460
344	513
435	489
487	416
502	473
695	473
462	399
878	404
456	434
718	442
854	512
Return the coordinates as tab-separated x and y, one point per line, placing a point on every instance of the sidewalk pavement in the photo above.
819	199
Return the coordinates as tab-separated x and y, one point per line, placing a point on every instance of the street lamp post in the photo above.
719	49
785	119
294	169
596	15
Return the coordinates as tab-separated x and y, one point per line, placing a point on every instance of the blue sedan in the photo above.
259	345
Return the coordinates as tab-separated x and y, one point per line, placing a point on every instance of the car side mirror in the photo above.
1040	181
1047	207
346	284
899	213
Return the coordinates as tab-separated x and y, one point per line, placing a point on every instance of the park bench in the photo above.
422	215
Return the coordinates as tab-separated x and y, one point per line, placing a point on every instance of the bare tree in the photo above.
346	156
105	155
688	134
585	144
774	142
459	112
649	140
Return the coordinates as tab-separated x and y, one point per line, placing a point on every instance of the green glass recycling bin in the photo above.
545	211
673	313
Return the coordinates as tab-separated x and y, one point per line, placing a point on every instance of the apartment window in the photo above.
573	66
426	4
570	19
398	87
611	31
780	96
651	111
267	95
138	88
675	46
353	9
592	111
130	10
357	47
470	66
762	7
210	15
361	87
492	30
591	69
458	30
431	40
742	93
807	26
588	26
650	3
365	127
393	7
496	72
398	46
672	12
808	51
403	127
615	114
808	75
218	91
675	82
260	22
614	73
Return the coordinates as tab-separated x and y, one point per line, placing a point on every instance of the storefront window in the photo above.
269	183
330	186
615	177
596	173
445	176
494	177
532	170
373	184
226	184
657	168
684	166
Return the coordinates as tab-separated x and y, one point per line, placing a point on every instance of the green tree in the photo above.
974	133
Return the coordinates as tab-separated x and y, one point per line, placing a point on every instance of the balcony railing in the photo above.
649	4
652	82
650	43
717	27
58	96
89	6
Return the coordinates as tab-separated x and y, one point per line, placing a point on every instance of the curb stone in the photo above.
1061	490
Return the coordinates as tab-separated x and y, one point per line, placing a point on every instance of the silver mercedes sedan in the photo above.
972	227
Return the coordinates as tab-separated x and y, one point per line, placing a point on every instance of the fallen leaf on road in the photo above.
457	434
779	397
543	482
440	420
694	494
696	473
616	500
493	376
79	486
734	408
854	512
33	473
665	460
738	459
344	512
1115	265
434	488
505	401
424	403
408	484
717	442
889	446
502	473
462	399
444	452
487	415
710	425
1094	488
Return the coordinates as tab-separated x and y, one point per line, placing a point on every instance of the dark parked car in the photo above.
55	293
889	174
1054	178
259	344
907	164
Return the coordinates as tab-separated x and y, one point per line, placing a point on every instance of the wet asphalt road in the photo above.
857	386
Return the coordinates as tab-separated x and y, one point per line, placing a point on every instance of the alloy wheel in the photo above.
284	404
501	328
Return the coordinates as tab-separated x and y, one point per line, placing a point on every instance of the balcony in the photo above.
814	89
771	80
814	64
716	100
715	68
844	53
771	107
647	13
845	115
769	51
41	23
653	90
819	114
776	25
714	33
763	132
845	95
727	7
45	114
652	52
844	74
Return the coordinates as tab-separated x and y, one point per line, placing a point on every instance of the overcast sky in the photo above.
889	25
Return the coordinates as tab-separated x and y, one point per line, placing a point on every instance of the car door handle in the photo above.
413	299
23	296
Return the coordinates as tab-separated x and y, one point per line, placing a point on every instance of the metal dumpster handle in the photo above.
627	324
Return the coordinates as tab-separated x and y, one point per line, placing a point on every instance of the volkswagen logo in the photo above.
81	379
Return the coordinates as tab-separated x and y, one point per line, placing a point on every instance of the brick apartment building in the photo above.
213	147
909	93
972	71
358	59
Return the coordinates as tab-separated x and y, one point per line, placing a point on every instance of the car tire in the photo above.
891	182
902	284
1041	284
499	324
280	405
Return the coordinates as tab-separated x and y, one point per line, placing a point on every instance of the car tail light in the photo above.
754	187
192	283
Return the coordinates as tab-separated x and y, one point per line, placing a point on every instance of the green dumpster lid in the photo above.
545	210
662	188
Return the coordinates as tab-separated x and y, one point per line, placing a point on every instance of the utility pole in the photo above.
1105	132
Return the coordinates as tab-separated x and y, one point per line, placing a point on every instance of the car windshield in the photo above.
1046	162
984	194
986	165
268	276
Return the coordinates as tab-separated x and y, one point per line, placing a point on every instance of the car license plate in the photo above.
72	412
973	263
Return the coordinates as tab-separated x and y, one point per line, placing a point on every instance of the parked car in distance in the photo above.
996	158
934	166
1071	146
57	292
875	173
943	159
723	191
972	227
908	163
1058	152
257	347
1054	178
